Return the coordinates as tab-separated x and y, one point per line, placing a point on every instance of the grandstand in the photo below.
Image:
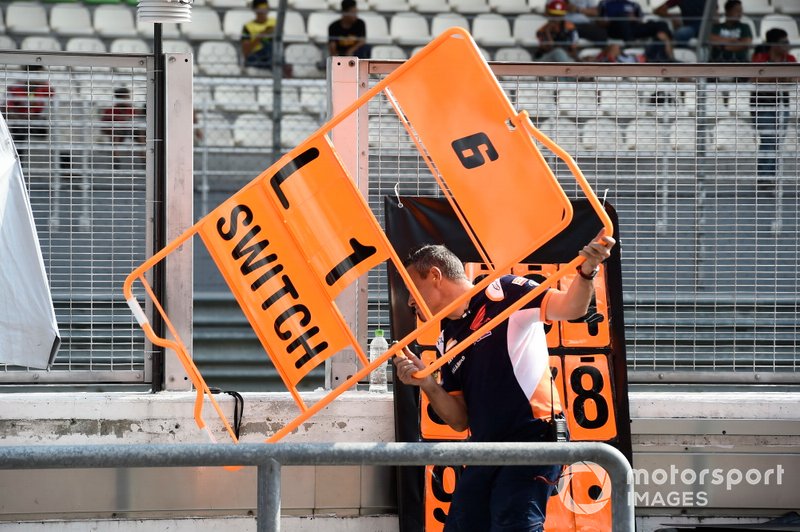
709	247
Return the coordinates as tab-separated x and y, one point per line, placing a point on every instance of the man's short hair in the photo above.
347	5
430	255
259	3
730	4
776	35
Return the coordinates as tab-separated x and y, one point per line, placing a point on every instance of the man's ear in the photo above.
435	273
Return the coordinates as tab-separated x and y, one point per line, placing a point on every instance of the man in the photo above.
558	38
348	35
730	40
690	20
624	22
257	37
500	387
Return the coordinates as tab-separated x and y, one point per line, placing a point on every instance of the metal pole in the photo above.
268	516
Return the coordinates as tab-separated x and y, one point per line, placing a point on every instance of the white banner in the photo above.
28	329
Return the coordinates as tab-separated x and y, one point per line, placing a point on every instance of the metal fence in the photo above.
270	458
703	172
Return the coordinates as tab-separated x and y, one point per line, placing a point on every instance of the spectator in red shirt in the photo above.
769	106
123	117
558	38
27	105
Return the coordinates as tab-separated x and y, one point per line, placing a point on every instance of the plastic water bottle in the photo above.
377	347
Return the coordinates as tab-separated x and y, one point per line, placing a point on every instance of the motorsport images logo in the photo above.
585	487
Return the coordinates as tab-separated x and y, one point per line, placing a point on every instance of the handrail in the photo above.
270	457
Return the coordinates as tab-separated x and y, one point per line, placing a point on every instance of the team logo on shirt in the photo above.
480	319
495	291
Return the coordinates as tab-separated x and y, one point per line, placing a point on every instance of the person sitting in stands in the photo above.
730	40
348	35
688	24
583	13
612	53
624	22
257	37
26	107
558	38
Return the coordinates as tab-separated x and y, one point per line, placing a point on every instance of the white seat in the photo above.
409	29
538	101
238	97
757	7
787	7
443	21
513	54
228	4
509	7
218	58
114	21
2	22
252	130
233	22
7	43
538	6
294	28
40	43
392	6
310	5
169	30
578	101
493	30
728	103
26	18
216	129
620	102
734	135
469	7
295	128
205	25
525	28
377	28
318	23
203	97
753	30
429	6
683	136
129	46
177	46
589	53
684	55
785	22
600	135
304	59
86	44
290	98
388	51
71	20
645	135
314	101
563	132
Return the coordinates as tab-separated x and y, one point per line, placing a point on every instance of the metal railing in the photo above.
270	458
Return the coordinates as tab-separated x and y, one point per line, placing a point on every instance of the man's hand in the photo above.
406	364
596	252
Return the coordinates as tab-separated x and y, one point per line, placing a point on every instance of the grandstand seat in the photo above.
525	28
202	97
577	101
509	7
129	46
752	25
600	135
310	5
537	6
645	135
409	29
294	28
513	54
290	98
662	103
684	55
313	100
589	53
71	20
86	44
235	97
169	30
205	25
2	22
233	21
443	21
216	129
218	58
295	128
787	7
304	59
563	131
7	43
114	21
388	51
252	130
40	43
683	136
26	18
230	4
757	7
377	28
429	6
469	7
727	103
395	6
784	22
620	102
539	102
734	135
317	25
177	46
492	30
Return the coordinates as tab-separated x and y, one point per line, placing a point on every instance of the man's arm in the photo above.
574	303
451	408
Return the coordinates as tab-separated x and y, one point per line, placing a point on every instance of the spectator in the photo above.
257	37
730	40
612	53
27	105
558	38
769	106
583	13
122	118
688	24
624	22
348	35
